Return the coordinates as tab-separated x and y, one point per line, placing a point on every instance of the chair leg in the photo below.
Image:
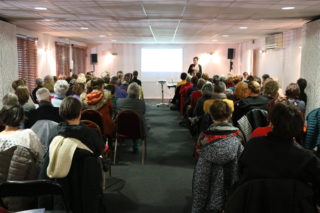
115	151
143	153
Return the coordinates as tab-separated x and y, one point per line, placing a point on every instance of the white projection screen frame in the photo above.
161	63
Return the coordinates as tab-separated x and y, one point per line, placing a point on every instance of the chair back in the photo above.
94	116
251	120
92	125
31	188
130	125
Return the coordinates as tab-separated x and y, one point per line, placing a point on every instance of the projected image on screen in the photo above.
161	60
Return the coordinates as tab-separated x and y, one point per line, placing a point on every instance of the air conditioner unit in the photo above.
274	41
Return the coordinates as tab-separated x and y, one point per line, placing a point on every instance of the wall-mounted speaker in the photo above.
94	58
231	53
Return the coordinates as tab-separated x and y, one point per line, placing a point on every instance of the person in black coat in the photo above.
278	157
83	183
302	85
195	67
135	78
253	101
39	83
45	111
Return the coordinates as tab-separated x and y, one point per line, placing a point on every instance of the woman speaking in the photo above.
195	67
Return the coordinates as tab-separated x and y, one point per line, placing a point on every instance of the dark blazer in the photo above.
136	80
272	196
276	159
247	104
45	111
190	70
82	185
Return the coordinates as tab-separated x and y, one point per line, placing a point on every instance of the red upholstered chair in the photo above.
94	116
91	124
106	159
129	125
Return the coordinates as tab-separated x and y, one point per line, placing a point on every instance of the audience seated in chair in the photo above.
253	101
100	100
207	92
293	94
241	91
12	117
60	90
119	93
278	156
39	83
219	93
23	95
10	99
183	93
21	153
45	111
219	149
196	94
126	81
302	85
132	102
75	163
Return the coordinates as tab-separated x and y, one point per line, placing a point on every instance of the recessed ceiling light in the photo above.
102	36
288	8
40	8
84	28
225	36
243	28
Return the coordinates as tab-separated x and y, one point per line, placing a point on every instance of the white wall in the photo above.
283	64
310	63
128	58
8	57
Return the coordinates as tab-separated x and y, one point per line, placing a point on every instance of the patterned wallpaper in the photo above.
8	57
310	63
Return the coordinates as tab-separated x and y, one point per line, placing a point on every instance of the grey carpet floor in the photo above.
163	184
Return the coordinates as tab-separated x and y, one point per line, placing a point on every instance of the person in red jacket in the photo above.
183	92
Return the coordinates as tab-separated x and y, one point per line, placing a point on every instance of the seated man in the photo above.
45	111
219	93
132	102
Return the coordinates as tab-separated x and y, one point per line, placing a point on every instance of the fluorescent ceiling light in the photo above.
225	36
102	36
84	28
40	8
113	40
288	8
243	28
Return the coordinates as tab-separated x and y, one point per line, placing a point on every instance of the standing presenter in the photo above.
195	67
